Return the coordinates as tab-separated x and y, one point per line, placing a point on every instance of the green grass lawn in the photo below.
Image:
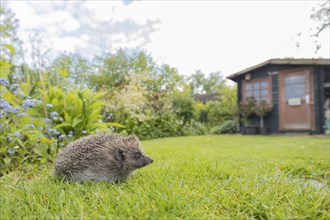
203	177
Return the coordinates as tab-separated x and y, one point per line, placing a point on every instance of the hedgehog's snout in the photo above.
149	160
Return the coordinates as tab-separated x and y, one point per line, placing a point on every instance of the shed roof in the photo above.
285	61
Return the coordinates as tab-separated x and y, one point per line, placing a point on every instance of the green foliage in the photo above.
204	177
70	70
77	96
24	138
10	43
112	70
164	79
202	84
247	109
216	112
37	118
261	109
228	127
183	106
75	111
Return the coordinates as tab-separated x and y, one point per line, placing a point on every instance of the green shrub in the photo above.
32	130
24	138
193	128
76	112
228	127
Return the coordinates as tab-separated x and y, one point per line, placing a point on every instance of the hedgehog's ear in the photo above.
120	155
134	139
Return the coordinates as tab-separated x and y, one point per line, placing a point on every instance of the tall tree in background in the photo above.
10	43
322	16
112	70
71	69
203	84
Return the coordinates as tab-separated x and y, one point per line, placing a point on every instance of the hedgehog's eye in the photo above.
137	155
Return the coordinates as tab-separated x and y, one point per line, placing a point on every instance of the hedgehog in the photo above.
105	157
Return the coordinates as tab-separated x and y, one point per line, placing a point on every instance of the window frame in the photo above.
259	80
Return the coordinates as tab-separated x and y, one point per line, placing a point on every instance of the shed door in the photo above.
296	102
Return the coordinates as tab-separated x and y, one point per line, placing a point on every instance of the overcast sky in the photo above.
225	36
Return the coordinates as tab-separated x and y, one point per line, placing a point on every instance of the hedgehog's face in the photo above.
133	160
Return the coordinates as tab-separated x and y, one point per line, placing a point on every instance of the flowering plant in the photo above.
24	138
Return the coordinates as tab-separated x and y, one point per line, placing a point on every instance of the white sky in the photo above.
225	36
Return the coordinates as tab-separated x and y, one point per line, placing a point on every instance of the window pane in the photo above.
256	85
256	93
264	92
248	86
295	91
248	93
264	85
295	79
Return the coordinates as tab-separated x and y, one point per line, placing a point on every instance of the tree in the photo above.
70	69
112	70
164	80
202	84
10	43
261	109
322	16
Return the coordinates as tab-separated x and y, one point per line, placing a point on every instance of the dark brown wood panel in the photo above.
296	100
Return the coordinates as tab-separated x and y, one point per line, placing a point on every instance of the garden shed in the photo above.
298	90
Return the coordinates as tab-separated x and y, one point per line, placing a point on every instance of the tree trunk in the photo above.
261	122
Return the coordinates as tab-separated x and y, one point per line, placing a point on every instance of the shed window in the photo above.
259	89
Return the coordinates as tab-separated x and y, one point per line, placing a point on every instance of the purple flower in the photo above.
17	134
70	134
53	114
30	102
6	110
84	132
11	151
49	105
56	132
15	110
22	94
53	131
4	104
31	126
22	114
61	136
47	120
4	82
14	87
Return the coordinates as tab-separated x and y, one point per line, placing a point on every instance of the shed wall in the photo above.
272	119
